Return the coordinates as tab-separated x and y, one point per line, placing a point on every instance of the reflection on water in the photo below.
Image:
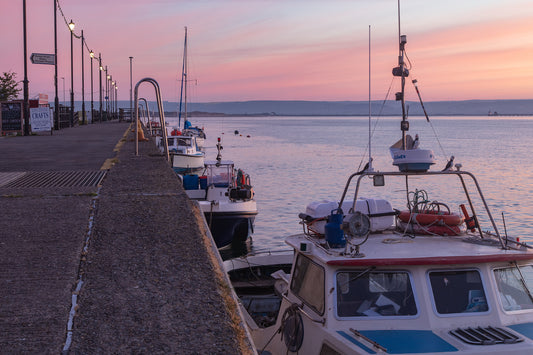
295	160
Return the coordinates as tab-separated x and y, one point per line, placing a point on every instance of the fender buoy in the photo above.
431	218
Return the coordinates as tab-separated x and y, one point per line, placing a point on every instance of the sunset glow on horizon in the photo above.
281	50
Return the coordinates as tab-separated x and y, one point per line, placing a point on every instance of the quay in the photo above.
102	252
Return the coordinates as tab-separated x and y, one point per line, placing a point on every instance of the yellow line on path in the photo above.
108	164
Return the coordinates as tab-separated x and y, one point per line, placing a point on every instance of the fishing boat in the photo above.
226	197
417	266
185	157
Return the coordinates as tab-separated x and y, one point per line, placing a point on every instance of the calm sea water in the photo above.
293	161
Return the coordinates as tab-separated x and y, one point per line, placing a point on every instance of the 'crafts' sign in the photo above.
41	119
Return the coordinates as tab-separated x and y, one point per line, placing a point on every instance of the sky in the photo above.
242	50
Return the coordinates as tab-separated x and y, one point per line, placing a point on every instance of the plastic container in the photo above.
203	182
190	182
334	233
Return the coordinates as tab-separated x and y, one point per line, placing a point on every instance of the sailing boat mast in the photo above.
183	94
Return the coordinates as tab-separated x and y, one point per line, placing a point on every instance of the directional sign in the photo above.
41	58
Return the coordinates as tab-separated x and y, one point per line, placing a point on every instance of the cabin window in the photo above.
458	291
515	287
361	294
220	176
308	283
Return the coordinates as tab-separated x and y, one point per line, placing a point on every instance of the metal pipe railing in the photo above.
161	115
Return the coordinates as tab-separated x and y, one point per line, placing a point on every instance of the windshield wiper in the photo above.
523	281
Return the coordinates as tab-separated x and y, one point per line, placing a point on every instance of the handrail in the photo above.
161	114
147	114
428	173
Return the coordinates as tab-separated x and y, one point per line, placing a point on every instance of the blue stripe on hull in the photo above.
526	329
403	341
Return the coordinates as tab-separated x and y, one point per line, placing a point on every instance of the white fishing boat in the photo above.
398	272
226	197
183	153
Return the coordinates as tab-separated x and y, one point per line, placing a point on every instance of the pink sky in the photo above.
281	49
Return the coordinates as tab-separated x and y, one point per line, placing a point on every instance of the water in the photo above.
295	160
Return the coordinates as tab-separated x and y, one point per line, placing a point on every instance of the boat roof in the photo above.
392	249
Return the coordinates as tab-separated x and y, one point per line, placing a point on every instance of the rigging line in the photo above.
438	140
376	122
430	122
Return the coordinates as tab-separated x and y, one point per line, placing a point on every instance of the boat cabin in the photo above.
219	179
182	144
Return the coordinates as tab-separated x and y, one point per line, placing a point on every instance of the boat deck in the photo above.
391	248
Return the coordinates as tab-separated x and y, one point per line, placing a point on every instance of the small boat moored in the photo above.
226	197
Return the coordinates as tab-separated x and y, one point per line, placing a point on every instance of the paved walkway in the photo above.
150	280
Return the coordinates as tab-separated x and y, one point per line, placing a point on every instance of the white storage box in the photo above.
369	206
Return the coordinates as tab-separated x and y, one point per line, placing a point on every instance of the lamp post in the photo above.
131	89
101	68
71	27
91	54
112	93
116	99
25	105
107	91
56	100
84	118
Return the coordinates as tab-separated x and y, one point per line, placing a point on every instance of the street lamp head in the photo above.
108	77
91	54
71	26
101	68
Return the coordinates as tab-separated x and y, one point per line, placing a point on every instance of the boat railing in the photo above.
161	114
379	180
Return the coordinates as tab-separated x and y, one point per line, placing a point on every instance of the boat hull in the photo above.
229	227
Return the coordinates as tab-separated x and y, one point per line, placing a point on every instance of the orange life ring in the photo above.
431	218
431	229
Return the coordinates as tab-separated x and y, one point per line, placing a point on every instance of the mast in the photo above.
183	80
369	104
185	68
403	72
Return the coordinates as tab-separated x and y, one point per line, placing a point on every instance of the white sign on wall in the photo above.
41	119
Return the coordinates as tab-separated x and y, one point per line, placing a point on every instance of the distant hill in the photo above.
354	108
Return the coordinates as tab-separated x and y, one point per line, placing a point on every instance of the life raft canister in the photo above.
431	218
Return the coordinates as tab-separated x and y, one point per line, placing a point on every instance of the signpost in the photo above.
42	58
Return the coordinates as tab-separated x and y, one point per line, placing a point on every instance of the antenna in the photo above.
369	103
